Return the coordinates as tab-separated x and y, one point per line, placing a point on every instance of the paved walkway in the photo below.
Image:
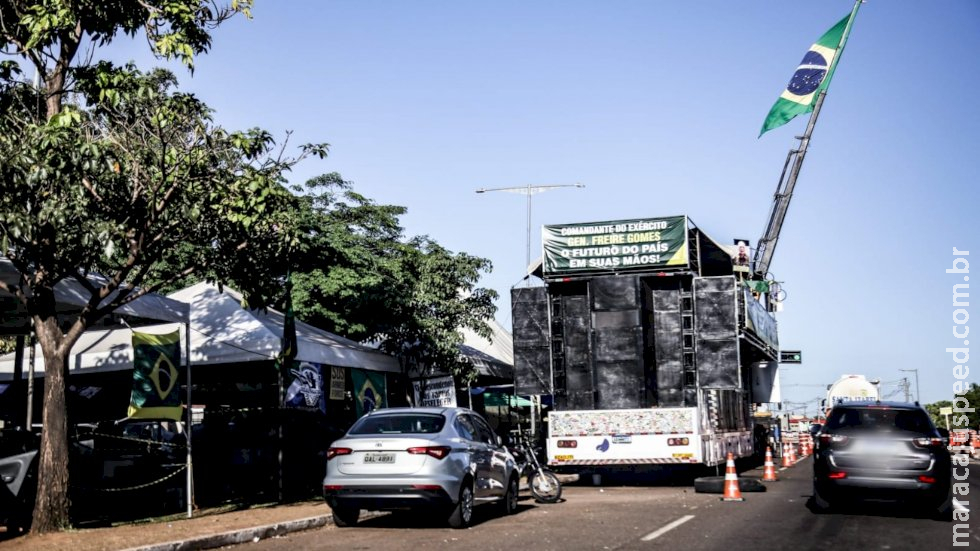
211	528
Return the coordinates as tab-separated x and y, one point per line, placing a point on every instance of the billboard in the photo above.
641	244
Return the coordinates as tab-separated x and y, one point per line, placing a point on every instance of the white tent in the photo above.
222	332
493	356
70	297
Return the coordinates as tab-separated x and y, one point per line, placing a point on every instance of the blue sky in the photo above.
656	108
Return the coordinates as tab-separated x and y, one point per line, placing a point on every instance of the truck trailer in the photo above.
653	341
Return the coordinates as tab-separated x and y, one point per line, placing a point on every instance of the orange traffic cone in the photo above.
769	475
732	491
792	454
786	459
803	452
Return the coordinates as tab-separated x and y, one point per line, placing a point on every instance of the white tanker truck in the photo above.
851	388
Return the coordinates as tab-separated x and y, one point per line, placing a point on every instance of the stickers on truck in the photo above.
623	437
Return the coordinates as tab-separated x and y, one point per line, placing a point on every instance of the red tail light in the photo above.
678	441
334	452
567	443
438	452
426	486
837	476
927	442
927	479
833	438
332	487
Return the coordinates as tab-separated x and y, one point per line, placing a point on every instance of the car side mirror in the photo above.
499	440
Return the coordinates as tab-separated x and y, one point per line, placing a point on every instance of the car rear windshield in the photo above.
407	423
879	418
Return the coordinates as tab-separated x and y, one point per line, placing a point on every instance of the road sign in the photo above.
790	356
946	411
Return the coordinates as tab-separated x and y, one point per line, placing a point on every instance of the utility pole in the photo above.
916	371
528	191
905	387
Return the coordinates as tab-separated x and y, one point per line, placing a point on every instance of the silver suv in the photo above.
447	459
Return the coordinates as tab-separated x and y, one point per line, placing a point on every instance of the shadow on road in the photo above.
874	508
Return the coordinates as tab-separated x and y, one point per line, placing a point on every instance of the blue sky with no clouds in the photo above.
656	108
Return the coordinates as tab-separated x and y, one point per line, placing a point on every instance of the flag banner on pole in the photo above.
811	77
155	390
306	389
285	362
369	390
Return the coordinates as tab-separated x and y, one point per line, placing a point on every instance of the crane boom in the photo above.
784	193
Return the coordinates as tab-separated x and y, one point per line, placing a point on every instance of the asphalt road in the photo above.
653	517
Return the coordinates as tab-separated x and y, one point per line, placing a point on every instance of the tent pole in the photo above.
190	423
19	364
29	419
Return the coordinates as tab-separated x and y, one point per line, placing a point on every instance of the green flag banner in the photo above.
643	244
369	390
156	394
811	77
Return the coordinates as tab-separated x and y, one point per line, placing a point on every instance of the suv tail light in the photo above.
837	475
438	452
927	442
334	452
833	439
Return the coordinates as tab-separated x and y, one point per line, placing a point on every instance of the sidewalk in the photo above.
208	529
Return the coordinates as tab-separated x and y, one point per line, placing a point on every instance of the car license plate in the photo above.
379	458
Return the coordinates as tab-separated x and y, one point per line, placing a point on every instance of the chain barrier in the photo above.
131	488
134	439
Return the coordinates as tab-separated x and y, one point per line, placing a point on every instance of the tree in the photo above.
109	170
355	274
933	410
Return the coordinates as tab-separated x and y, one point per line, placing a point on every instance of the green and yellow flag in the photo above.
156	392
812	76
369	389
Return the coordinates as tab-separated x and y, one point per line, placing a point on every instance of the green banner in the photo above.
369	390
616	246
156	394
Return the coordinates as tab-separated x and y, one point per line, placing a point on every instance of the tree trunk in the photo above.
51	510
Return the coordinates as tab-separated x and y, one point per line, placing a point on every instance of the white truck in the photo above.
651	343
652	436
851	388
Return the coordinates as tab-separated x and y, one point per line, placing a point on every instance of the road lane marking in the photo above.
657	533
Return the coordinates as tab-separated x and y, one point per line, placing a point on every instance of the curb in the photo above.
238	536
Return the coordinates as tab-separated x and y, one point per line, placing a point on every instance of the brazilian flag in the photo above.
812	76
156	394
369	390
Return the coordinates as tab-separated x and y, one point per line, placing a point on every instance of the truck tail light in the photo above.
678	441
334	452
438	452
568	443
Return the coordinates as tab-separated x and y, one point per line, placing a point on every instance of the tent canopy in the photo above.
222	332
71	297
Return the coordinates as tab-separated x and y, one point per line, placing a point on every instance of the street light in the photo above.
916	371
529	190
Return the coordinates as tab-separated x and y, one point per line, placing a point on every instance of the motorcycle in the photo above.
543	483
